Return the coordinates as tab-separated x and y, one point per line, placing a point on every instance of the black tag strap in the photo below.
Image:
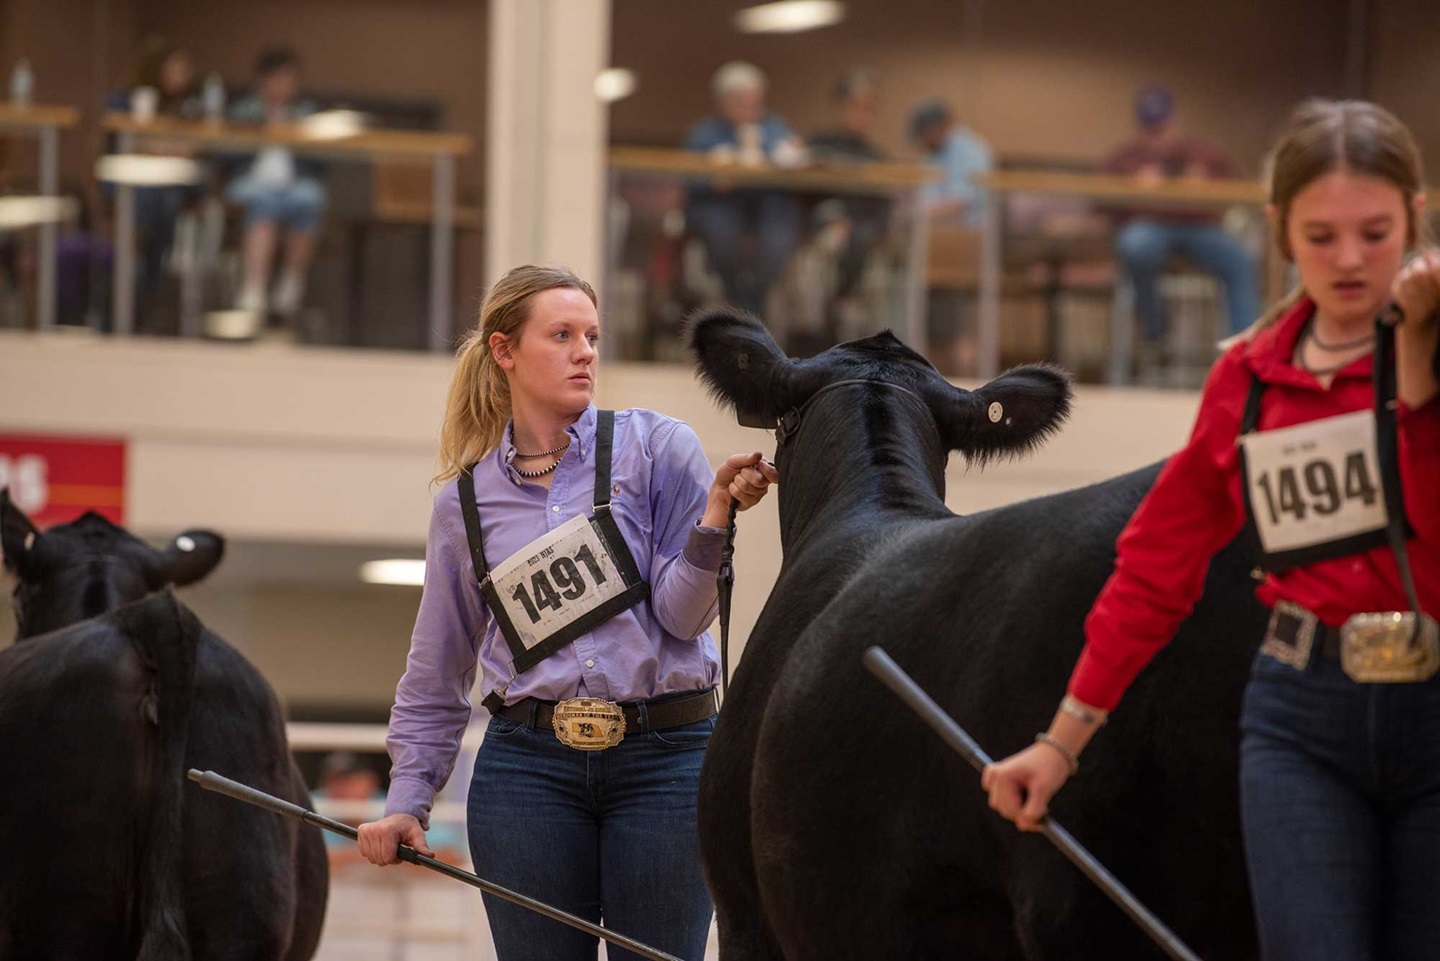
604	446
1251	420
1387	447
471	513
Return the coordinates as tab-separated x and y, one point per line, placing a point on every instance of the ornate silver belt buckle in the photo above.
1292	651
1390	647
588	723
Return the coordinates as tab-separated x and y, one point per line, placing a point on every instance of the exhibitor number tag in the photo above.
1315	486
556	580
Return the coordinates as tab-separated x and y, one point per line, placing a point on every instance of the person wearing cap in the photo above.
961	154
750	235
956	200
1150	236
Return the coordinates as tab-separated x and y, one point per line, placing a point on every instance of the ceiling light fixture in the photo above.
614	84
789	16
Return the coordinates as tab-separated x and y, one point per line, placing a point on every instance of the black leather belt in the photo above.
656	714
1287	626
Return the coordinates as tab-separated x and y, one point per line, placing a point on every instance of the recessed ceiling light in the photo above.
614	84
407	573
789	16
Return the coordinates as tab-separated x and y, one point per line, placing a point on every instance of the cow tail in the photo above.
167	649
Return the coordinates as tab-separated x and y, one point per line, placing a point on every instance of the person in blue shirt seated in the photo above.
954	201
279	191
960	154
749	234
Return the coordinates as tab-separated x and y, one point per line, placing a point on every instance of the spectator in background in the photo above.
749	234
956	201
960	154
167	68
857	223
1149	237
279	191
345	778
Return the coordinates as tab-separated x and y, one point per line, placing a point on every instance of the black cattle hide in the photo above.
834	824
109	853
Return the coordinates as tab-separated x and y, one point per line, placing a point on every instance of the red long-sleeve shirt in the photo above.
1196	508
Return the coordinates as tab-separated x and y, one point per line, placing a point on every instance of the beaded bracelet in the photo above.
1070	756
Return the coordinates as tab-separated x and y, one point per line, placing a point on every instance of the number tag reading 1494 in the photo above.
556	579
1315	483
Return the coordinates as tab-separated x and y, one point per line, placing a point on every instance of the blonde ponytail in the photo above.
478	406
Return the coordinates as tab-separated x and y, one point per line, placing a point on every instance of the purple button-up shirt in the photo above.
659	484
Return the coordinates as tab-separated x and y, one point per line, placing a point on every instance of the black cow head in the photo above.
90	566
742	366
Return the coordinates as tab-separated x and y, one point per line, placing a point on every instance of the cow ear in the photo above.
741	365
1010	416
18	537
190	557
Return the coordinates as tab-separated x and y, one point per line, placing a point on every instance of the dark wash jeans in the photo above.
602	834
1340	794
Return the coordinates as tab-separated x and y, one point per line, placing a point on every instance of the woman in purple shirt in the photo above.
571	558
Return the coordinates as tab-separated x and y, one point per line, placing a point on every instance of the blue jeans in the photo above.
728	222
298	205
1340	795
1146	245
602	834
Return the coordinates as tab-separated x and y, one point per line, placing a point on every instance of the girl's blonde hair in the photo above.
1326	136
478	406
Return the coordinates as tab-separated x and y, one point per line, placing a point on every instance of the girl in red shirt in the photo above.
1340	756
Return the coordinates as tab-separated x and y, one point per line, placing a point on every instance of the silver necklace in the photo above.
1334	368
537	473
1345	345
546	453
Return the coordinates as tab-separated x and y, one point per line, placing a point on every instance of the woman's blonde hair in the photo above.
1325	136
478	406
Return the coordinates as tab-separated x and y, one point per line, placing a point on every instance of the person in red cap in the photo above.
1150	236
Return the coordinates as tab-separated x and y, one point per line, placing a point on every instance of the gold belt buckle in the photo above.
588	723
1390	647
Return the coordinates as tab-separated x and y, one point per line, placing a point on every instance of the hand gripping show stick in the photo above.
211	781
880	664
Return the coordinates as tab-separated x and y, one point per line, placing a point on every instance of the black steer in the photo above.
112	692
833	823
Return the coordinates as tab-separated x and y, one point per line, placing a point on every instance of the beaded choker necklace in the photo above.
538	473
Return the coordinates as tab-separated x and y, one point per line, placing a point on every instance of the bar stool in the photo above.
1194	306
126	172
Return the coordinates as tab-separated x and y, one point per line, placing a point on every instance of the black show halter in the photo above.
786	428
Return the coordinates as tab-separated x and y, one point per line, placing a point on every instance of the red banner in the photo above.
56	479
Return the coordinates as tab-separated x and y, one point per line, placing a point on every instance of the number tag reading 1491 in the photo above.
1315	483
556	579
